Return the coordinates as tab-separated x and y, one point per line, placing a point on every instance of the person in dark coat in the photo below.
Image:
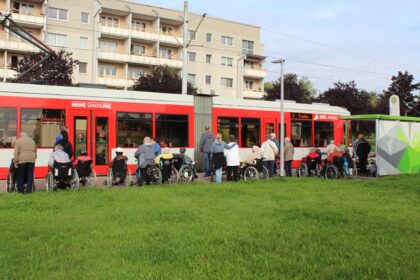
362	149
65	143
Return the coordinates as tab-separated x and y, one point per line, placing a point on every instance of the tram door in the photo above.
90	131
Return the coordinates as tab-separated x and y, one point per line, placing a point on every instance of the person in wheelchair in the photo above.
145	156
60	167
165	163
83	166
335	158
253	156
312	159
119	166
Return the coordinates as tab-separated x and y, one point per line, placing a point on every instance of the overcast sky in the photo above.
368	40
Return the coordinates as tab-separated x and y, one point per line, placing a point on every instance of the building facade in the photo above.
117	41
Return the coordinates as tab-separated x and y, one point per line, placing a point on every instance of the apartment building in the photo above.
117	41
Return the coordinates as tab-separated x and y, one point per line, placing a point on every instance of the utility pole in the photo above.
184	50
281	62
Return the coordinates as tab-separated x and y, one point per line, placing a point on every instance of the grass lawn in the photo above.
301	228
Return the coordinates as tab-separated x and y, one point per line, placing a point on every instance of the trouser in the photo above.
269	164
25	174
288	168
207	159
362	164
232	173
218	175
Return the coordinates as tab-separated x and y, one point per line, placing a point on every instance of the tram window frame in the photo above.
132	121
245	122
31	121
327	139
5	132
308	127
164	126
230	127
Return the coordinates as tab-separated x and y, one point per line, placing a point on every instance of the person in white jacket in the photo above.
232	159
268	152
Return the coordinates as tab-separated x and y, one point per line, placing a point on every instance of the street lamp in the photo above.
281	62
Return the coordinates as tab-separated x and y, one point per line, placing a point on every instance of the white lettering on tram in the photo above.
94	105
325	117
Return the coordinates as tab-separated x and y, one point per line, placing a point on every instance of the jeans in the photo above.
25	175
218	177
288	168
269	164
207	159
232	173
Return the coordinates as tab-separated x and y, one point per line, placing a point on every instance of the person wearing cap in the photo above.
269	151
118	156
58	155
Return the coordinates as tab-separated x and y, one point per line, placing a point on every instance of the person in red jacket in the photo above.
335	153
83	157
312	159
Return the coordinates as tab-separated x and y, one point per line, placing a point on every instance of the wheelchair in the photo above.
254	171
118	174
87	175
186	169
151	174
335	170
62	176
311	168
169	172
11	184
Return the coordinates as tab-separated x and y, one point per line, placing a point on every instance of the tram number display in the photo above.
302	116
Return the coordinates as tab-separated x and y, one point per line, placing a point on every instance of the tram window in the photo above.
324	133
102	131
269	128
173	129
42	125
250	132
8	122
132	128
302	133
227	126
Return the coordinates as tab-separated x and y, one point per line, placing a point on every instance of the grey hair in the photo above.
147	140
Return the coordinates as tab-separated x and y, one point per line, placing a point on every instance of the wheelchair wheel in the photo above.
186	174
302	170
263	174
155	176
91	180
127	181
251	173
10	187
331	172
49	182
174	176
74	182
108	181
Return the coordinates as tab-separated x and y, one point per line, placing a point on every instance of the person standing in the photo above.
330	147
232	159
206	144
24	160
268	152
362	149
65	143
157	147
218	157
289	151
273	138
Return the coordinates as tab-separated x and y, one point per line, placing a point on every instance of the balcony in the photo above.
255	73
29	20
115	82
17	46
8	73
252	94
138	59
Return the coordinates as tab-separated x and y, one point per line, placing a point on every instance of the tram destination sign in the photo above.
90	105
303	116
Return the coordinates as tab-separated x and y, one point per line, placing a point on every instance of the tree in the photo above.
162	79
301	91
402	85
57	70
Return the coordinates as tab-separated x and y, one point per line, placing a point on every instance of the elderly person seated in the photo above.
58	155
166	155
255	154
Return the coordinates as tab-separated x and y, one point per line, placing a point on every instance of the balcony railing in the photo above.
17	45
8	73
252	94
255	73
29	19
139	59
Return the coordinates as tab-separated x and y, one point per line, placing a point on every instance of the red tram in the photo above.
101	120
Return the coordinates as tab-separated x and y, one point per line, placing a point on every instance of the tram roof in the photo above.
373	117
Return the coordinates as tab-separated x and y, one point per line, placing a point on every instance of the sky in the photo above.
367	41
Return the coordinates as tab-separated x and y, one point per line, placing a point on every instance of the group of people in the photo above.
217	154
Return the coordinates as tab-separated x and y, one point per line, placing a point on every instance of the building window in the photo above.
107	70
109	21
83	42
248	84
15	60
56	39
227	82
56	13
247	47
227	41
249	64
208	80
110	46
82	67
132	128
166	30
138	25
23	8
173	129
84	18
135	73
227	61
165	53
301	133
138	49
209	37
42	125
191	56
191	35
324	133
208	58
250	132
8	124
228	126
191	78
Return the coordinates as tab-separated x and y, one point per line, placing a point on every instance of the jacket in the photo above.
66	146
269	150
25	150
333	155
58	156
206	142
253	156
330	148
232	154
145	155
218	147
289	151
